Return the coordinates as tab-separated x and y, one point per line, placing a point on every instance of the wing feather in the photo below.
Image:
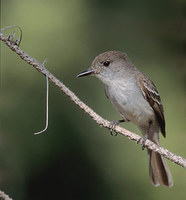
150	93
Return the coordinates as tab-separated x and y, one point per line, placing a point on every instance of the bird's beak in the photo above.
85	73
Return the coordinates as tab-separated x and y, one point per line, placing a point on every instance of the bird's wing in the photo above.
150	93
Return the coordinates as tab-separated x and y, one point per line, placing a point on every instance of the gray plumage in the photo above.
136	99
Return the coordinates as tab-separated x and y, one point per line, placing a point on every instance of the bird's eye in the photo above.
106	63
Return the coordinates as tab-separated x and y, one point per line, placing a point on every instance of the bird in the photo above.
135	97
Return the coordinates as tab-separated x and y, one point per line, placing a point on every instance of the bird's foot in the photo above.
113	125
142	140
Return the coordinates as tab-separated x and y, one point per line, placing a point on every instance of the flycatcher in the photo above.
136	99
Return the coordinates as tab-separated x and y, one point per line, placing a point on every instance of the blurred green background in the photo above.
75	158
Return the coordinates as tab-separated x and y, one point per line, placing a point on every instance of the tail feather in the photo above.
158	170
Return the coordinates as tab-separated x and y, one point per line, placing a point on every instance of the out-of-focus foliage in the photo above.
75	158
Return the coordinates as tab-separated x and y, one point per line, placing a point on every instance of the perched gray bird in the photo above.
136	99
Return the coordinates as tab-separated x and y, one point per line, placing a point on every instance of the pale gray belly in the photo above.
131	104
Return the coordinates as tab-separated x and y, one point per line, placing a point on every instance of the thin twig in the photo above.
47	96
17	41
102	122
4	196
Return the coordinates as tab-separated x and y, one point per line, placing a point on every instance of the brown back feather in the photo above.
150	93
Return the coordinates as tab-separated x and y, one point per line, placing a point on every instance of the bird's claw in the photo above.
112	127
142	140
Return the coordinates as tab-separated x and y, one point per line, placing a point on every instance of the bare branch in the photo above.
102	122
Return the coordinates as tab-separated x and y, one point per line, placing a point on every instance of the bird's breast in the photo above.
128	100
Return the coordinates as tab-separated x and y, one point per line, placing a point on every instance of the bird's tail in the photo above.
158	170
